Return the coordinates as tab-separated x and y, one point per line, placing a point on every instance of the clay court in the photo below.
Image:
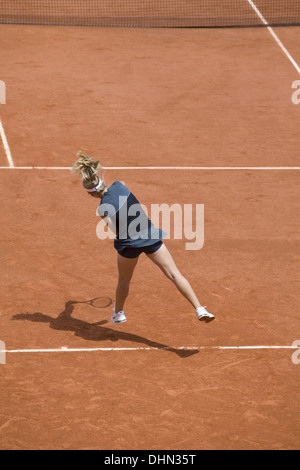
189	116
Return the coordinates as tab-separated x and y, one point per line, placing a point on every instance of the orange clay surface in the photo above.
138	97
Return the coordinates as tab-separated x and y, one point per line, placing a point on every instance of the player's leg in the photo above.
164	260
126	268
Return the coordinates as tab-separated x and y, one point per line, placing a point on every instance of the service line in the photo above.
167	348
180	168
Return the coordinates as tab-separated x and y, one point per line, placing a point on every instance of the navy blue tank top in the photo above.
131	224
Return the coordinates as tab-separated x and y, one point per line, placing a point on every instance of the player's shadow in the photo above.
94	331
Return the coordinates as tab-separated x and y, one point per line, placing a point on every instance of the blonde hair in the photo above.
89	168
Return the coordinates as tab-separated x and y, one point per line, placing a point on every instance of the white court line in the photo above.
6	146
184	348
204	168
272	32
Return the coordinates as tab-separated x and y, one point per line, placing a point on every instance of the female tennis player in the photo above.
116	201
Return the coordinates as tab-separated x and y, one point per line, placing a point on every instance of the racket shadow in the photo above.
94	331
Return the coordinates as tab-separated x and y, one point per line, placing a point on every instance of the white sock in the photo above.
116	313
198	309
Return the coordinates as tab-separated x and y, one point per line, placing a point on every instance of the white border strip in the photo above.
203	168
6	146
272	32
184	348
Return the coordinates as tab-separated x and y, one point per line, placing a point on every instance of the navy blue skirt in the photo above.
135	251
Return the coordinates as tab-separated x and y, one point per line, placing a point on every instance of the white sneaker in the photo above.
204	315
118	317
